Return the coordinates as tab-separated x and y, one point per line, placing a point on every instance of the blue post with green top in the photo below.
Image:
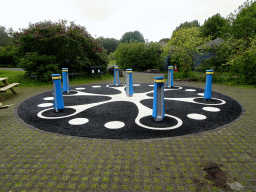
58	102
158	101
208	85
170	77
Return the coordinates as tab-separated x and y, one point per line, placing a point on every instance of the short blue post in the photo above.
158	101
116	75
170	76
208	85
66	85
58	102
129	83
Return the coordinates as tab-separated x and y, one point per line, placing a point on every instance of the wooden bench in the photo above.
3	89
6	86
4	106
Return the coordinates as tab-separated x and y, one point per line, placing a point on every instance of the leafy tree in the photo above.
56	44
243	24
5	38
110	44
187	25
183	46
213	26
139	56
165	39
132	36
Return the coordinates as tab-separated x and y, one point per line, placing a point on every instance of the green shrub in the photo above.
73	46
8	56
245	66
41	65
139	56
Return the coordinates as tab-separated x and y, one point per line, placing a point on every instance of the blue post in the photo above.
129	83
170	76
66	85
158	101
116	75
208	85
58	102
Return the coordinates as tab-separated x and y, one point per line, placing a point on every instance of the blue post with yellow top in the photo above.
66	85
208	85
58	102
129	83
116	75
158	101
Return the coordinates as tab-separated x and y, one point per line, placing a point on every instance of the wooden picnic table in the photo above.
6	86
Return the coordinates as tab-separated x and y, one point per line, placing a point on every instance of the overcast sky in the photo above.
112	18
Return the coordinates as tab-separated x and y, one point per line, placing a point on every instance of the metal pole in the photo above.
129	83
58	97
170	77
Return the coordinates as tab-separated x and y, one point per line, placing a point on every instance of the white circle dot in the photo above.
136	84
211	109
96	86
114	125
196	116
48	98
78	121
45	105
201	94
80	88
190	90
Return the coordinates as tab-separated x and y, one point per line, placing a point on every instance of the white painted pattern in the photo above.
114	125
201	94
211	109
48	98
78	121
190	90
45	105
96	86
196	116
80	88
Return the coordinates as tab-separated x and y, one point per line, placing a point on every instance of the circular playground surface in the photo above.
105	111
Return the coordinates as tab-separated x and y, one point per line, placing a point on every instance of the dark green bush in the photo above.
41	65
245	66
8	56
139	56
73	47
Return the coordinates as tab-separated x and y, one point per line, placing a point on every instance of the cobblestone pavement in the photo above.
220	160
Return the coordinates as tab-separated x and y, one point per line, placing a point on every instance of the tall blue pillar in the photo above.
129	83
208	85
66	85
116	75
58	102
158	101
170	77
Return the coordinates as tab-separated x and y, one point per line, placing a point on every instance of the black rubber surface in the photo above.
125	112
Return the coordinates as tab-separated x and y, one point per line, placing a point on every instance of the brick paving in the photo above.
220	160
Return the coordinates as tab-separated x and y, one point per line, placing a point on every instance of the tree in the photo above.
5	38
187	25
110	44
135	36
165	39
139	56
243	24
213	26
183	45
56	44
